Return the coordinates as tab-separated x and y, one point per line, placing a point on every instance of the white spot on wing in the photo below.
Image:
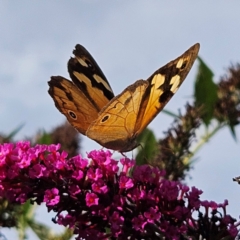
100	80
175	81
179	63
174	90
158	80
82	62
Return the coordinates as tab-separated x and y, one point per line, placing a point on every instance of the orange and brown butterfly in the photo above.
115	122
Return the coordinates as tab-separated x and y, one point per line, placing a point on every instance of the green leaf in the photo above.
205	91
23	219
44	232
45	138
14	132
232	130
148	147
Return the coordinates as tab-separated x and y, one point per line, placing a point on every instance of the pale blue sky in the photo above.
129	40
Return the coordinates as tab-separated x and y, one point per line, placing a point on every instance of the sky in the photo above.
129	40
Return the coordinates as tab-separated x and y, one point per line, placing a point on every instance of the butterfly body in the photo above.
115	122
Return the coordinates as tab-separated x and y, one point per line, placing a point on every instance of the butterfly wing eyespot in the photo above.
105	118
72	115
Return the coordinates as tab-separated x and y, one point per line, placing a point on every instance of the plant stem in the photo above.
205	138
172	114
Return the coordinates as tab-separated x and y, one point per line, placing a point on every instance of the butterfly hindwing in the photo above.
72	102
116	121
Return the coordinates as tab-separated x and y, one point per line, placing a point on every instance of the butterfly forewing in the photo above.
81	100
87	75
163	84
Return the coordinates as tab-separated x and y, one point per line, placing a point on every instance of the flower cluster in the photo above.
227	107
174	147
68	137
100	200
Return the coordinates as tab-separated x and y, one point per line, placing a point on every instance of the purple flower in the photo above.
37	171
51	197
100	157
79	162
193	198
127	164
125	182
91	199
116	222
53	147
13	172
139	223
74	190
99	187
151	215
67	220
77	174
22	198
92	196
94	174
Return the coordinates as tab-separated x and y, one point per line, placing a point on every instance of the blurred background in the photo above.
129	40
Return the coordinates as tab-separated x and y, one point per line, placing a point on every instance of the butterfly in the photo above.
115	122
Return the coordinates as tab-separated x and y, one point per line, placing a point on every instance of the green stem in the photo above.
170	113
204	139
